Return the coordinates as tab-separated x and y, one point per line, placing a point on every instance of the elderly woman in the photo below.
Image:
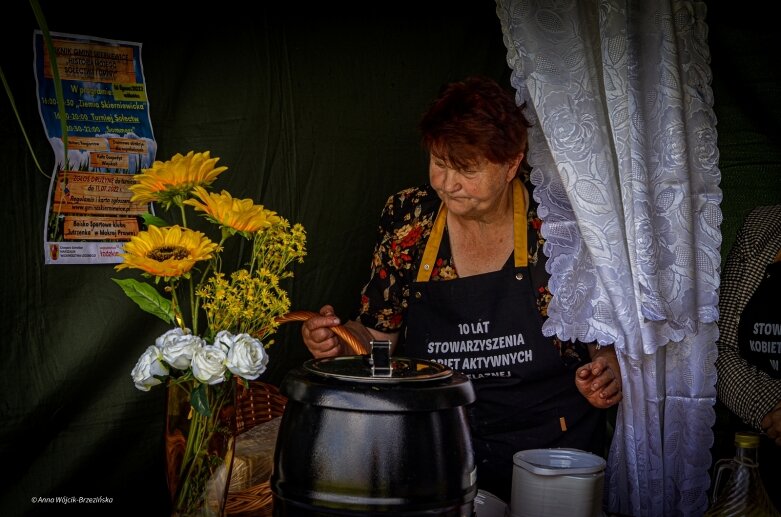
458	277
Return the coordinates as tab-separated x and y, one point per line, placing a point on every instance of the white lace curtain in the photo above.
625	165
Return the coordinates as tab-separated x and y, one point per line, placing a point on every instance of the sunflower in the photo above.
240	215
170	182
170	251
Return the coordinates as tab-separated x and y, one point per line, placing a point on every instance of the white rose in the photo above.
247	358
178	350
209	364
224	340
148	368
170	335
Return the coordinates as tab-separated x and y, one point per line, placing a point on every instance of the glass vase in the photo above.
199	440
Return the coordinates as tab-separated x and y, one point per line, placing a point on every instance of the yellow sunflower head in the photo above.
170	251
171	181
239	215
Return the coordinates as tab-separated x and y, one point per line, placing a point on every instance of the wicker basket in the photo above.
255	405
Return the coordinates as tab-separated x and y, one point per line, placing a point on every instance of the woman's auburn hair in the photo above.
472	120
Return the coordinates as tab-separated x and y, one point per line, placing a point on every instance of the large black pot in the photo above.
357	438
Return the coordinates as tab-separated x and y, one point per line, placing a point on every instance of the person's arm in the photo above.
746	390
322	341
393	266
600	380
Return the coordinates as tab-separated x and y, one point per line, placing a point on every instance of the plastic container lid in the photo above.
559	462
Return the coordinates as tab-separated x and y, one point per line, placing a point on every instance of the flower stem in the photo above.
184	214
196	300
196	470
177	308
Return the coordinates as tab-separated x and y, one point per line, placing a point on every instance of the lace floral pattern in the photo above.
625	169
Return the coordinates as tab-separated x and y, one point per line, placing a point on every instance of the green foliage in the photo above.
200	400
147	298
153	220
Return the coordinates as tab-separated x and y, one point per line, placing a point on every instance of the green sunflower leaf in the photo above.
200	401
153	220
147	298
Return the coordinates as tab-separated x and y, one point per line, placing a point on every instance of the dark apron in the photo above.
759	330
488	327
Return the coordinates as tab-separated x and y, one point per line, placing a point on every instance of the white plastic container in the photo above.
557	483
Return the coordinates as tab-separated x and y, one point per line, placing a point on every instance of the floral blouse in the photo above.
405	225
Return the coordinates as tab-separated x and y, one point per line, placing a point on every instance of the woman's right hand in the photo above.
318	335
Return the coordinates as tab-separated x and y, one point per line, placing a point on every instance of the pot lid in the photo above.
379	367
346	383
359	368
377	383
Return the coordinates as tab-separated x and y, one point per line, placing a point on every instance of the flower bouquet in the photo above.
222	321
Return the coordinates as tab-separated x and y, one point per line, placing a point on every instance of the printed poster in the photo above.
89	214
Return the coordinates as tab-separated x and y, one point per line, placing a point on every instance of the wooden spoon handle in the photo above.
340	330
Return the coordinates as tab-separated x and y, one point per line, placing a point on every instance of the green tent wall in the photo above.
313	109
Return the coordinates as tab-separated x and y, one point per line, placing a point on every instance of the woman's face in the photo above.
473	191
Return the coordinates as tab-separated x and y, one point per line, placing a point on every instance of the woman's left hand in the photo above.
600	380
771	424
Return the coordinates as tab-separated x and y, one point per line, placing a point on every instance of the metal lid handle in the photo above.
380	359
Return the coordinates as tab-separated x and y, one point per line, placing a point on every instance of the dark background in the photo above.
313	109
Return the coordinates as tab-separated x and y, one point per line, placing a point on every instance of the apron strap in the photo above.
520	224
520	232
432	245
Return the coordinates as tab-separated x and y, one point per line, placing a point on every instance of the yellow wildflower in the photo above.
249	302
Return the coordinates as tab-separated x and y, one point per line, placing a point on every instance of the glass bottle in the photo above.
742	494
